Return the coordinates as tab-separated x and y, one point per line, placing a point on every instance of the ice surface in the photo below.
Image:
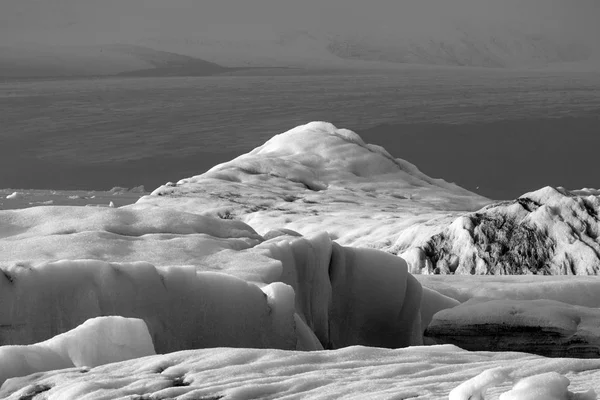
97	341
428	372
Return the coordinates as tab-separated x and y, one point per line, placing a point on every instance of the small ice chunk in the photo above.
548	386
475	388
15	196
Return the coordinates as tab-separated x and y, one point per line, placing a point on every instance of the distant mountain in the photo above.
165	63
98	60
461	45
327	33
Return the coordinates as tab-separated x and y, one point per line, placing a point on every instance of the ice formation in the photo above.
280	249
96	342
192	265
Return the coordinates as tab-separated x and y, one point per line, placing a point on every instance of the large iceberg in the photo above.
295	246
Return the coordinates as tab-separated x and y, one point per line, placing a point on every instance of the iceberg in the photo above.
545	327
305	268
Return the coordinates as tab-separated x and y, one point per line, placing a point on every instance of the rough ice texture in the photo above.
546	232
543	327
96	342
427	372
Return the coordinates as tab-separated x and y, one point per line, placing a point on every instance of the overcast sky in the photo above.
90	20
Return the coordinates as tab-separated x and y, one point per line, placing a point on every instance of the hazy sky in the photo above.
91	20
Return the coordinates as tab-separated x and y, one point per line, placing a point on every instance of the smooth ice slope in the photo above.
425	372
96	342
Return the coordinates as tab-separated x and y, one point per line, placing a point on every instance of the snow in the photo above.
97	341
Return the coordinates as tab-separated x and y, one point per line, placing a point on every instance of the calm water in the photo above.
465	126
